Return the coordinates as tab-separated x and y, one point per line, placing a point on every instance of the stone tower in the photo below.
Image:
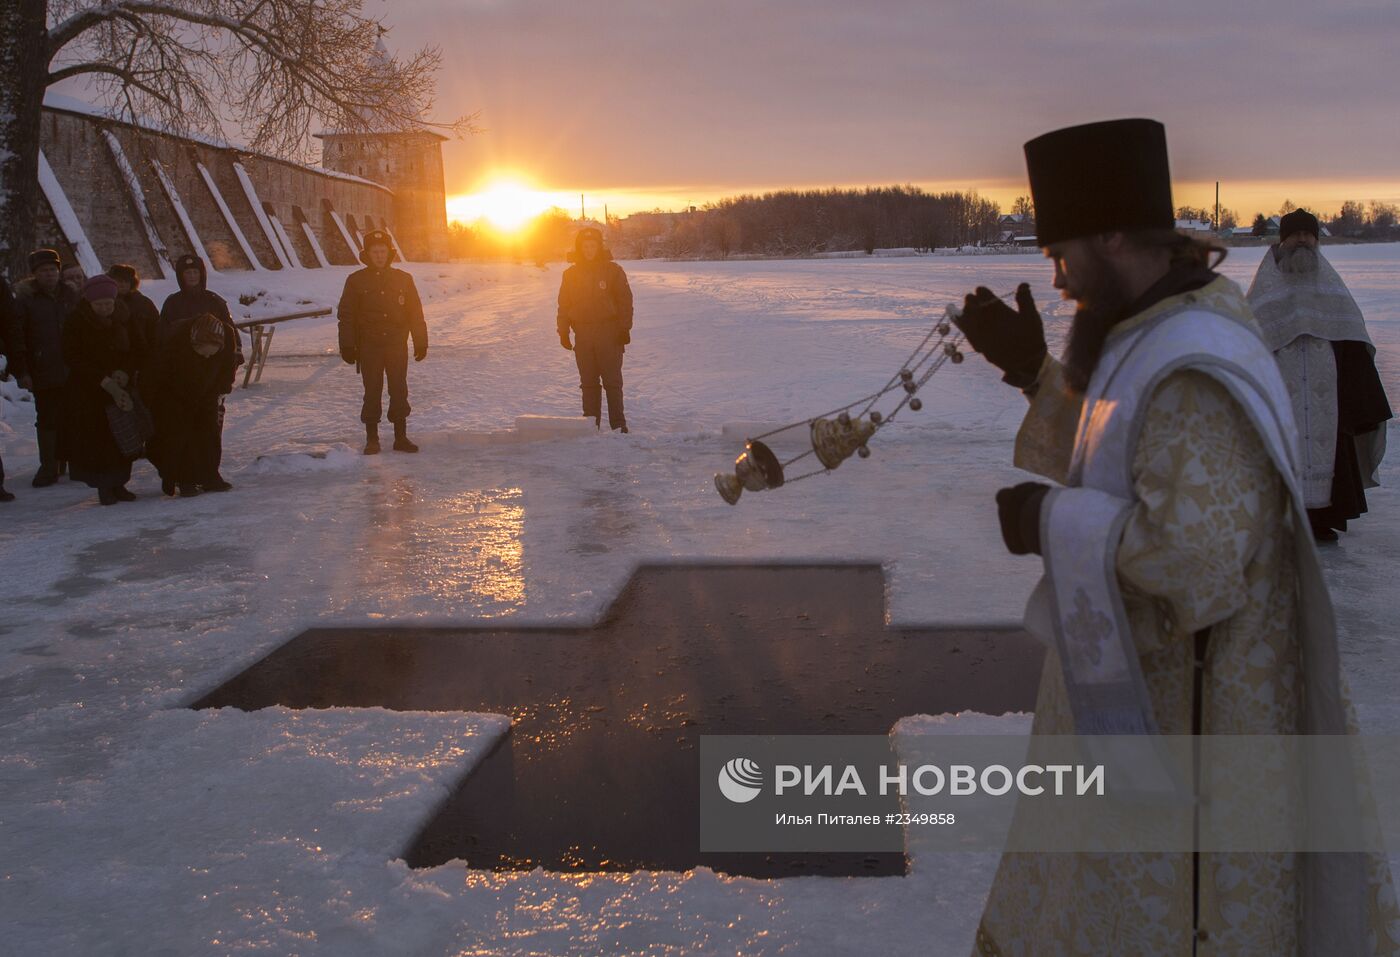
409	162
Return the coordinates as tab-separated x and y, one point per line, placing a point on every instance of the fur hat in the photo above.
207	329
100	287
121	272
1298	221
377	237
45	257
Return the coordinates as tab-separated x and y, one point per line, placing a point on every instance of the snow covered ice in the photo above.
130	824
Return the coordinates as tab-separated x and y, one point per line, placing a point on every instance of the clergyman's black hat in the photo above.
1100	178
1298	221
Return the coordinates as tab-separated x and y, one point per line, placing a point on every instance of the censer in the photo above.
837	435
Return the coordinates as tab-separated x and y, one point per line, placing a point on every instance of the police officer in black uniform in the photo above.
379	311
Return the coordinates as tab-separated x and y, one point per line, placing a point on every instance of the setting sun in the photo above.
506	204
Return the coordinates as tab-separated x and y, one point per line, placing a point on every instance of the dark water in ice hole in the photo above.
599	771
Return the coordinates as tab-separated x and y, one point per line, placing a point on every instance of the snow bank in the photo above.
337	458
554	426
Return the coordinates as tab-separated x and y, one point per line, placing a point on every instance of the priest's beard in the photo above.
1298	261
1102	301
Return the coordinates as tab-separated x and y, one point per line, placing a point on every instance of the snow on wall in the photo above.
67	219
251	192
68	104
288	250
228	218
183	215
138	196
345	234
397	248
315	245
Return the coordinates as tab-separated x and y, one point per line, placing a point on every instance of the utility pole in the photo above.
1217	206
582	209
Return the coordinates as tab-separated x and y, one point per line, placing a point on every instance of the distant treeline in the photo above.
802	223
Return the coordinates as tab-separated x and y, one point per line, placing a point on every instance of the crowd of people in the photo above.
114	379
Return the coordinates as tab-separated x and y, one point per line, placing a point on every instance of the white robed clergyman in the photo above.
1316	331
1182	593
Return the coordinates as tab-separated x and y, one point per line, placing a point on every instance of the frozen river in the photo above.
130	824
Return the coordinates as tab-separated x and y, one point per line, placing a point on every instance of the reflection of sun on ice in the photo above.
507	204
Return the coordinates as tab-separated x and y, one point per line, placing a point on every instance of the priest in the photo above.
1317	333
1182	592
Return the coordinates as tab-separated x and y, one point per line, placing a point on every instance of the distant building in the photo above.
1194	226
1016	229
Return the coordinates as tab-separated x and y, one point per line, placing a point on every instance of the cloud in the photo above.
652	94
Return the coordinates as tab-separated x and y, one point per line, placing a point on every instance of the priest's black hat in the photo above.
1100	178
1298	221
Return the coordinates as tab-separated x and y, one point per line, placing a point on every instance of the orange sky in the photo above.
1246	199
642	104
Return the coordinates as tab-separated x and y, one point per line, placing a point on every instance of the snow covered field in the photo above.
131	825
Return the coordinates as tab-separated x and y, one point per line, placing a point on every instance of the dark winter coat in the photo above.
380	302
7	321
144	316
190	301
182	389
594	298
38	332
94	350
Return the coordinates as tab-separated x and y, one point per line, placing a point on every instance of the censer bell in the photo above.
836	440
756	469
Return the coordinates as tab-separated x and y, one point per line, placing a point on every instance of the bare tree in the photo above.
270	68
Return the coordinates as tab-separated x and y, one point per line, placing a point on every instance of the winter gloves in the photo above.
564	341
1018	507
119	395
348	354
1011	340
420	352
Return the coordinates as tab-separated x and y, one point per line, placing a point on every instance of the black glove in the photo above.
625	337
1018	507
420	352
564	341
349	356
1011	340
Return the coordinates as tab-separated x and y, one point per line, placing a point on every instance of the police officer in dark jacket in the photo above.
43	303
379	311
595	303
191	300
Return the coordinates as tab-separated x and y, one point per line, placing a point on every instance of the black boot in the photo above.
371	438
4	495
48	459
124	494
401	442
188	490
107	496
617	419
168	486
216	484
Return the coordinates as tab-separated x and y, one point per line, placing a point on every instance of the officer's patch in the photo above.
602	284
401	299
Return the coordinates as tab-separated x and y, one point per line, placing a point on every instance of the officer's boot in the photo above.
401	442
617	419
48	459
371	438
